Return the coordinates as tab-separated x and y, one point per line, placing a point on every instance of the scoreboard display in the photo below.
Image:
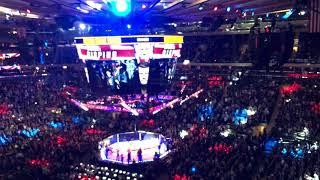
128	47
127	63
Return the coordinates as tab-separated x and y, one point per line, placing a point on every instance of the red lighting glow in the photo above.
39	163
215	81
221	148
93	131
148	123
181	177
4	109
289	89
304	75
316	108
60	140
215	8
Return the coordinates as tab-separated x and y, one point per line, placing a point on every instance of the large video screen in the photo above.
130	76
128	64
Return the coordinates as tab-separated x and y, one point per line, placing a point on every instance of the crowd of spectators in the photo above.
32	105
298	107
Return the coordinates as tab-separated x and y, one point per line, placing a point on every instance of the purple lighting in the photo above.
135	104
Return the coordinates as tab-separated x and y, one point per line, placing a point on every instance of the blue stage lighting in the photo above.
228	9
121	7
82	26
288	14
193	169
129	26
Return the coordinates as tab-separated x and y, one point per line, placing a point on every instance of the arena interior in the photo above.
159	89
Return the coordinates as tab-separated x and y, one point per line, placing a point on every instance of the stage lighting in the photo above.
121	7
288	14
228	9
244	14
186	62
129	26
251	111
82	10
193	169
82	26
226	133
143	6
215	8
302	12
94	5
200	7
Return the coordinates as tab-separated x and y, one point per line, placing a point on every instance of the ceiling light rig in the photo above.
302	13
15	12
94	5
121	8
200	8
82	10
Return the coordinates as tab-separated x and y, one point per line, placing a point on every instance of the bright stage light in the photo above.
121	7
288	14
129	26
251	111
186	62
82	26
228	9
143	6
94	5
200	8
302	13
244	14
83	10
226	133
183	134
193	169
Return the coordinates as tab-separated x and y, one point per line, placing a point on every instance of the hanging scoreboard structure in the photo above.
129	47
119	62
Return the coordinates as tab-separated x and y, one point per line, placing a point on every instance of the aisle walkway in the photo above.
275	113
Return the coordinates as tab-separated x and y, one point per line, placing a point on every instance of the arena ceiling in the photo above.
185	10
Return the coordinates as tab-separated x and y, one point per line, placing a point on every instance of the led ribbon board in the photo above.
142	48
